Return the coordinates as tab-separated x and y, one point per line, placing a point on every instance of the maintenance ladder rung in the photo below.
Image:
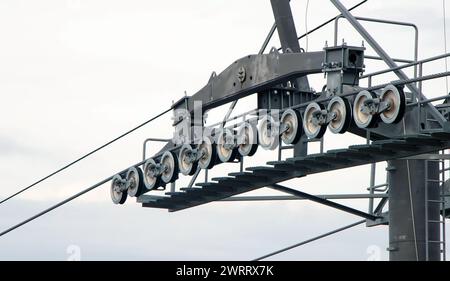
438	181
435	221
436	201
437	242
436	160
440	223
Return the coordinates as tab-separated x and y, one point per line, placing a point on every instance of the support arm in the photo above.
323	201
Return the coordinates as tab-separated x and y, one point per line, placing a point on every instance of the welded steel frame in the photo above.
293	66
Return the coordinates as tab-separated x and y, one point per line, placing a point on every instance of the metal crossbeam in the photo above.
323	201
290	198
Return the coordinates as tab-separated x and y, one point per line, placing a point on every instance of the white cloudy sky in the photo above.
75	73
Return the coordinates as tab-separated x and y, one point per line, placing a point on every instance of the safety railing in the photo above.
423	121
390	22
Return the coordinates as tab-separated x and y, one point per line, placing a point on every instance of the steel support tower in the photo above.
407	200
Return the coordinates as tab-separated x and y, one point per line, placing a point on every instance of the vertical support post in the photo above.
287	33
289	42
407	221
285	25
373	168
408	225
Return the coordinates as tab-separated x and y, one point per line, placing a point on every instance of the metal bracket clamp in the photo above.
231	142
375	106
383	220
156	170
331	66
121	185
192	155
195	154
284	128
238	140
323	117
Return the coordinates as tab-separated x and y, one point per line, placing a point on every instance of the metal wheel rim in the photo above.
393	95
116	196
185	165
225	154
133	181
291	119
150	181
268	139
362	120
168	161
205	160
340	107
248	133
311	130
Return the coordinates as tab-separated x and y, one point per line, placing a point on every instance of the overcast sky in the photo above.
74	74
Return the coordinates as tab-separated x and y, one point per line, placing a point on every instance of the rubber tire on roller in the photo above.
135	182
225	155
397	98
187	169
343	110
249	134
117	197
151	182
169	159
363	120
208	160
293	119
268	140
312	131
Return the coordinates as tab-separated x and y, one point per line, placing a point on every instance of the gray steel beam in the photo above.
288	34
323	201
429	157
261	51
285	25
290	198
289	41
261	73
384	55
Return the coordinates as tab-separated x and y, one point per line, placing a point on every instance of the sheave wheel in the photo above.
186	162
268	133
313	130
363	119
343	115
151	178
118	195
169	165
208	153
397	101
135	182
291	120
226	147
248	139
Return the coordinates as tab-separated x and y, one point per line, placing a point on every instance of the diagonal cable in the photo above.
83	157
